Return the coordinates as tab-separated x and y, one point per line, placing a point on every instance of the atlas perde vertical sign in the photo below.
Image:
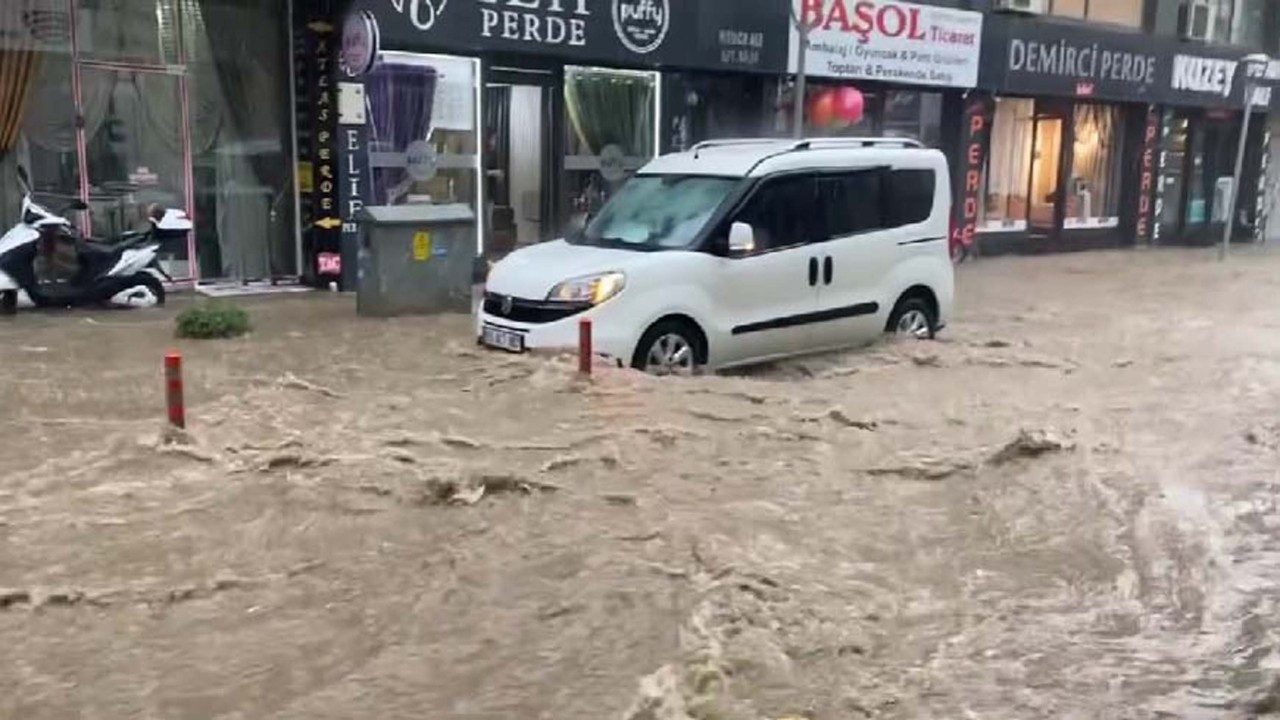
742	34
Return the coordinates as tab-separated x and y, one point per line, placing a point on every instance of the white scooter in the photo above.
123	273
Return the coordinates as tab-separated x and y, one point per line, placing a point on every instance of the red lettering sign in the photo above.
888	19
329	264
1147	178
969	198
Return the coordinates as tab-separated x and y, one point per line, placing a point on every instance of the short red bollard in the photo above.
584	346
173	389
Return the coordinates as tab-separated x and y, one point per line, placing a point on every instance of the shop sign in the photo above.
889	41
685	33
324	120
1217	81
1148	173
1048	58
975	140
1213	76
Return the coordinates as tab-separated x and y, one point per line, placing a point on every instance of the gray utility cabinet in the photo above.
415	259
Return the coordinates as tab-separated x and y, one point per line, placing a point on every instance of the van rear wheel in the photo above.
913	317
8	302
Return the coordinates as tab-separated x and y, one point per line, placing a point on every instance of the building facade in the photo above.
1106	124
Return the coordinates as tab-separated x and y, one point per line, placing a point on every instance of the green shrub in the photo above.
213	320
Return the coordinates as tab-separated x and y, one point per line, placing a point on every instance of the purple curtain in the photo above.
401	98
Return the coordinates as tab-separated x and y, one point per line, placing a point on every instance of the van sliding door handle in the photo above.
828	270
813	272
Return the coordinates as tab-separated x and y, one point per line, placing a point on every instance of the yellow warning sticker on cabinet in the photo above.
421	245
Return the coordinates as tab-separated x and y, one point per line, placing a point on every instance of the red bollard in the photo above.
173	389
584	346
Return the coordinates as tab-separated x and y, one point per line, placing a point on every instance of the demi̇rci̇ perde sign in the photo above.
689	33
1065	60
897	42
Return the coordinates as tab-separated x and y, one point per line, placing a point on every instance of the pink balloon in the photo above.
850	104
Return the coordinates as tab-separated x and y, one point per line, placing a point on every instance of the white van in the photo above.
740	252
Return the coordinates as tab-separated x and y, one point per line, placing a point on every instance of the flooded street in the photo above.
1064	508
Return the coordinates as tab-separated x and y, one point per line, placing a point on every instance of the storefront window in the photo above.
914	115
1093	195
848	111
144	31
1175	167
610	134
1123	12
240	138
701	107
38	120
38	125
1009	166
422	130
134	152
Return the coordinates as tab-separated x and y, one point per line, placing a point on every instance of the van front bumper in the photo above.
611	339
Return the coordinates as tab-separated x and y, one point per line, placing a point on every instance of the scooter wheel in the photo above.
9	302
132	296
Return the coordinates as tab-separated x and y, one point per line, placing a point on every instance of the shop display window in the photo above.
851	111
610	134
1093	195
1009	163
241	139
422	130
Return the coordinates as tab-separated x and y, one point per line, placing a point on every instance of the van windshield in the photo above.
657	212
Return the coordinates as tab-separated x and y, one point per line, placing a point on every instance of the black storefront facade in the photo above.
529	113
1081	136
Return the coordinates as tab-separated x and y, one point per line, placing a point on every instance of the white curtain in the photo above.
1009	166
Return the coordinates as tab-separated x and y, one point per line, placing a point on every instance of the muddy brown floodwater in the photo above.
1066	508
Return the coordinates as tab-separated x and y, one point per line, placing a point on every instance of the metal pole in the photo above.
1235	179
797	121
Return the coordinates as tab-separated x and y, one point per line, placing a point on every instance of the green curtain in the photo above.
610	108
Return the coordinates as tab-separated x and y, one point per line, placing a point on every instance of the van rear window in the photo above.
910	197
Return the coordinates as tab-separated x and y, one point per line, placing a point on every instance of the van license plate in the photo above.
502	339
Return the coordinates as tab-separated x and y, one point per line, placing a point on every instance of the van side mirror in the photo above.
742	239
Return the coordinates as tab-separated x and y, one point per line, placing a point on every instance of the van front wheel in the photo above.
670	347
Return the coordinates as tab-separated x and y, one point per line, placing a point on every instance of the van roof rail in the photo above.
812	143
727	142
866	142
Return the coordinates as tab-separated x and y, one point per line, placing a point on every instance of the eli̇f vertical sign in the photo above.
360	46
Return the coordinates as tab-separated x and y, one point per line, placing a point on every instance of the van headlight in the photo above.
593	289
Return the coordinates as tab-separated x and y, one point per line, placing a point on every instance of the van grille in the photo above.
534	312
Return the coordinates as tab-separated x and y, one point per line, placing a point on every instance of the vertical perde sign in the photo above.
1148	174
975	143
